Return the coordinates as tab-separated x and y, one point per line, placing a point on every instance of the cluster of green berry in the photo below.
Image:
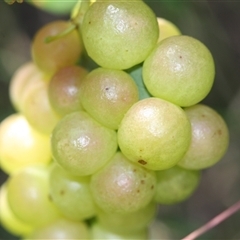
108	125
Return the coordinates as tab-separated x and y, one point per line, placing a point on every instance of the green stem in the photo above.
60	35
76	19
82	6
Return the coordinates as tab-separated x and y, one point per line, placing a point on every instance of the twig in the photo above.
214	222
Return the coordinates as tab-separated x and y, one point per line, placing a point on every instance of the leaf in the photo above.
136	74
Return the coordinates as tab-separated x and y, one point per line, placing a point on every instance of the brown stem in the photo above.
214	222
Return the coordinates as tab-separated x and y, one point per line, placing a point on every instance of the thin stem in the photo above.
214	222
76	19
60	35
81	8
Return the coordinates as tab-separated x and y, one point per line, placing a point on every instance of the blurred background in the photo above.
217	25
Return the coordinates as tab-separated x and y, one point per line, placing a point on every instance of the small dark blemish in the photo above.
142	181
142	162
138	191
152	187
62	192
107	88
